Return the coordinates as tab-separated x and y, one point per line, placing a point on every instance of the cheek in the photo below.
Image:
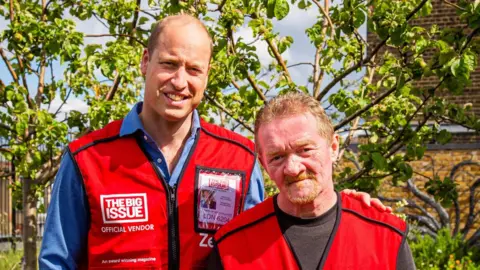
319	162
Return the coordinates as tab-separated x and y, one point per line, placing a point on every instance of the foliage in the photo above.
42	37
444	252
10	260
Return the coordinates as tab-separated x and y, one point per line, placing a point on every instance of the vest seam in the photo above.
82	182
215	247
332	236
375	221
404	240
96	142
228	140
245	226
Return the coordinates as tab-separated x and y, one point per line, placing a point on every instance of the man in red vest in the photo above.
149	191
307	225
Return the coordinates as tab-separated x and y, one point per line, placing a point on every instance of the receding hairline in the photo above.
179	20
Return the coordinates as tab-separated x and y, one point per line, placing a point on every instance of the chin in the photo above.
175	116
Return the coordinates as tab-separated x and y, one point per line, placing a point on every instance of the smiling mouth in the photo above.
175	97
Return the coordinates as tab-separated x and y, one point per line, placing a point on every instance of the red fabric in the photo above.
254	240
111	167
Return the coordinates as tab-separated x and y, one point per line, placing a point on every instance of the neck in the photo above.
166	133
324	201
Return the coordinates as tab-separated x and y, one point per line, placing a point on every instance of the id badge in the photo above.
218	195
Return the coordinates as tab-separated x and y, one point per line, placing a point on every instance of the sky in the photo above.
300	51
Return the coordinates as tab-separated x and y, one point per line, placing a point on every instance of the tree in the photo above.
41	37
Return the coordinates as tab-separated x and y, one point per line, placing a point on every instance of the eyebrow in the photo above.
299	143
303	142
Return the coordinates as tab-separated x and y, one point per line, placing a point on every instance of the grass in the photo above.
10	260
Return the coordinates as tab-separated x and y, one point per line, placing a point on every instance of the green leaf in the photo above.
281	9
443	136
359	18
271	8
379	161
456	67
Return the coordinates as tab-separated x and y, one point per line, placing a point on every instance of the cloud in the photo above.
72	103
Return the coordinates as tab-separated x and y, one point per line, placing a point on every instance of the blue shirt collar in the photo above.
132	123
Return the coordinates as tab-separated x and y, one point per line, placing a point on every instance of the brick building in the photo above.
460	158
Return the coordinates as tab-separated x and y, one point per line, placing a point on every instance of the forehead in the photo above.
180	38
289	131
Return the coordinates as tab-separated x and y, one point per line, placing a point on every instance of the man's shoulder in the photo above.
222	133
372	215
108	132
247	219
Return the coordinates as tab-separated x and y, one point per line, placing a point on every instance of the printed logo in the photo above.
124	208
218	182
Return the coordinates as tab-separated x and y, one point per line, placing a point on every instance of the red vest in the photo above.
137	220
363	238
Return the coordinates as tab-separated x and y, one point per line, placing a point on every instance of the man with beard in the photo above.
128	195
307	225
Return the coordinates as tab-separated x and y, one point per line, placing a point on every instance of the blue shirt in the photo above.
68	218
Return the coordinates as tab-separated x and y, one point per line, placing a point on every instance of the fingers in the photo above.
380	206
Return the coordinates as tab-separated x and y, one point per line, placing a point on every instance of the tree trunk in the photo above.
29	225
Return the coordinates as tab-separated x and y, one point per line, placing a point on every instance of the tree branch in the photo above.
117	35
255	87
366	59
41	79
273	47
366	108
11	10
149	14
301	64
453	5
471	212
114	87
63	102
412	204
48	170
443	215
218	105
325	13
9	65
316	67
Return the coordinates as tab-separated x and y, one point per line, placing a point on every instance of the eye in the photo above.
306	149
167	63
195	69
275	158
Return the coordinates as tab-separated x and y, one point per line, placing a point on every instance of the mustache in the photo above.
302	176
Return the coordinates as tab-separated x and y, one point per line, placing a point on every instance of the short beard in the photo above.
307	198
310	196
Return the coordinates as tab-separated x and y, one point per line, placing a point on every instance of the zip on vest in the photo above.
172	196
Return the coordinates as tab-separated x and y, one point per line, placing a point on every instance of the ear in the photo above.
145	61
335	147
208	75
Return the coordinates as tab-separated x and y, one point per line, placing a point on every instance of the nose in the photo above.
293	166
179	79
